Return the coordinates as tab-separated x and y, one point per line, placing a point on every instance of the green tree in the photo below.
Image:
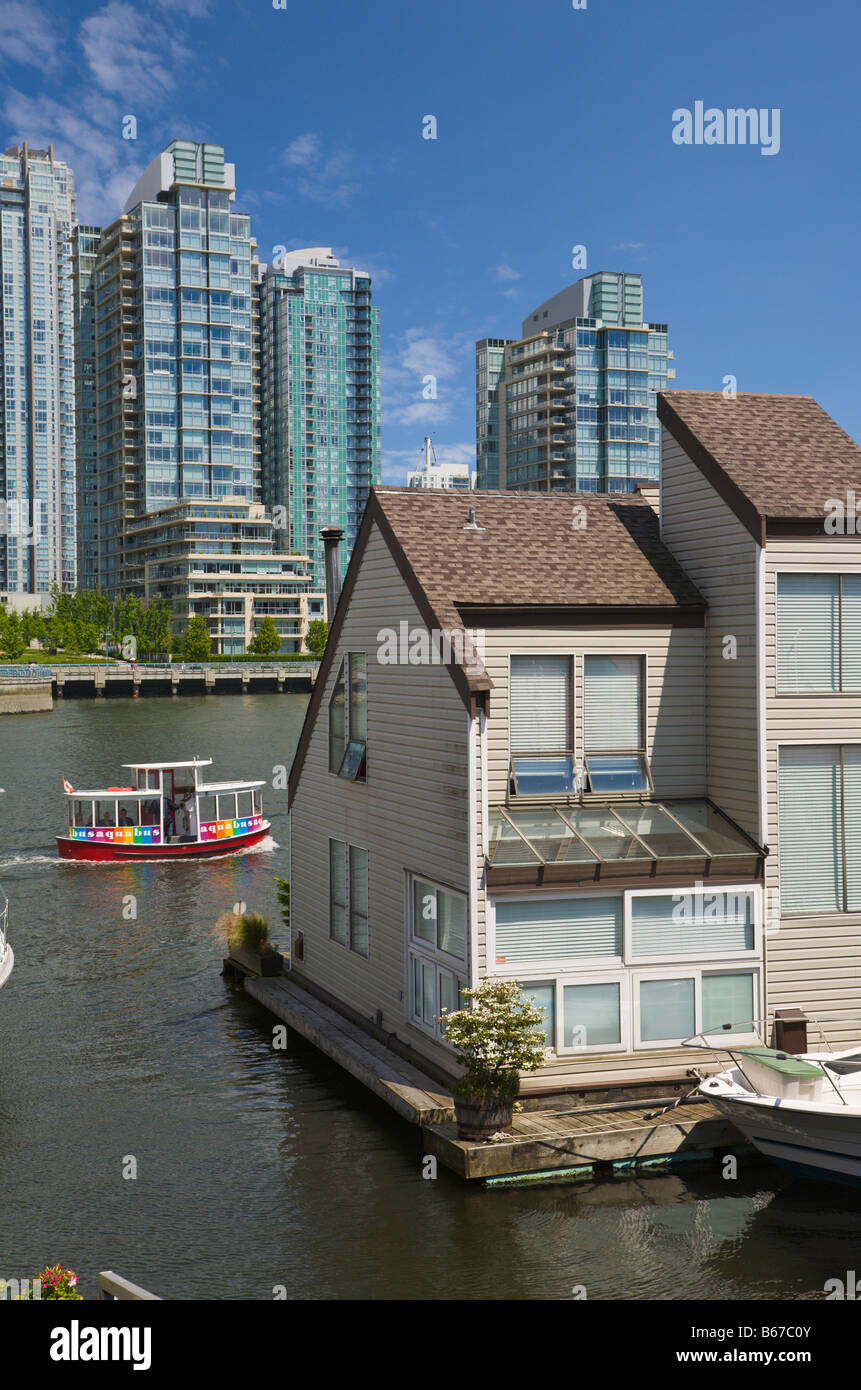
11	636
318	634
266	640
196	642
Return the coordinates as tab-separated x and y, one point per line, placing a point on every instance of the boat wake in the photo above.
16	859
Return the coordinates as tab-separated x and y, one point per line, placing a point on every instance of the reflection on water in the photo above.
259	1167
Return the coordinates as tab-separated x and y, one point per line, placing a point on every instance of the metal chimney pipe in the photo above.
331	537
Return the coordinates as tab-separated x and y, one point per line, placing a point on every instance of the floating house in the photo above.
608	746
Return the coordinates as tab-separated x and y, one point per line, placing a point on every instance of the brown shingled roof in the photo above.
530	553
770	457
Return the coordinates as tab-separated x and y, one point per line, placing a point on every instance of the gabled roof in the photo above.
771	458
537	560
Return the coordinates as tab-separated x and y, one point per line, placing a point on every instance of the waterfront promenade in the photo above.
171	678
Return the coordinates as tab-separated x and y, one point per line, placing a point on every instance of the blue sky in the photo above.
554	130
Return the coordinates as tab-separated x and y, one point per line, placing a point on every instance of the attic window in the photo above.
348	719
541	728
614	735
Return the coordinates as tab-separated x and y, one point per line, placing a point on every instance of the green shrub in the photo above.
250	930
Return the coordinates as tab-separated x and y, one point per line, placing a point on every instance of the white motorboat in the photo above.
803	1112
7	957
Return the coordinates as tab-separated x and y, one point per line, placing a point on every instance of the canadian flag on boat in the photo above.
67	786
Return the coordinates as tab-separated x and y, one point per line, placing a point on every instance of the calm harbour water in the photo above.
259	1168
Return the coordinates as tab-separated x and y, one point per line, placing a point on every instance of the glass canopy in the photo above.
606	833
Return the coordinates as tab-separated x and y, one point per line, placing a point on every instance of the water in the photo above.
255	1167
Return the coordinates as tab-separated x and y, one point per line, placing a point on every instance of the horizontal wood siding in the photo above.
411	815
813	962
720	556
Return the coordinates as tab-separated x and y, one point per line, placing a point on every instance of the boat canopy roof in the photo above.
161	767
210	788
111	794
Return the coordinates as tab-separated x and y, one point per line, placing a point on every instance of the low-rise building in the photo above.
602	746
217	559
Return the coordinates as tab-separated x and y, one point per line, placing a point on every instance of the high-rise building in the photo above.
85	244
176	289
320	339
174	346
571	404
37	388
448	476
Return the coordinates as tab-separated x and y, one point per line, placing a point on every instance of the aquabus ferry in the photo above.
166	812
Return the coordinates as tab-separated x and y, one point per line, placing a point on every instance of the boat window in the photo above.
81	812
149	812
226	806
256	803
128	812
106	812
207	809
243	804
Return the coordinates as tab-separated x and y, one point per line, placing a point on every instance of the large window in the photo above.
437	953
348	719
348	896
638	969
541	728
614	738
820	828
818	632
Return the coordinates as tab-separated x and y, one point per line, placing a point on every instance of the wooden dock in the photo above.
568	1142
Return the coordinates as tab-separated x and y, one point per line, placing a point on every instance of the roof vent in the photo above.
472	524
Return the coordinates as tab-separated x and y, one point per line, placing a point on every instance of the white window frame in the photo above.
348	944
840	571
418	941
696	974
538	969
754	953
442	961
627	972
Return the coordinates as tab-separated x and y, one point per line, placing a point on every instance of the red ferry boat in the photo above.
166	813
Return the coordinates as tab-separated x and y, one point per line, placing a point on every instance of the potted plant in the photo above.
497	1036
55	1282
248	938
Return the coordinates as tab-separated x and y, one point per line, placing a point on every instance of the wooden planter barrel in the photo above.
480	1117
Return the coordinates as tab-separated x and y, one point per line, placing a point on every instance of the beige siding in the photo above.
411	815
720	556
813	962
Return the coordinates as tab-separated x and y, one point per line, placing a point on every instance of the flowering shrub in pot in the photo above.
497	1036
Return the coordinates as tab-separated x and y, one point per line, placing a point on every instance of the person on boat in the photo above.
170	810
125	818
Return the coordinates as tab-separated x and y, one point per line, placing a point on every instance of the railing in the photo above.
29	673
113	1287
48	673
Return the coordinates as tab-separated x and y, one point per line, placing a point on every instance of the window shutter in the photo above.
852	804
693	923
807	632
613	704
851	627
811	860
558	929
540	704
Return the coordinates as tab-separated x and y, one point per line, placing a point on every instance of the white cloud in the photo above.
87	135
325	180
421	354
130	53
507	272
303	150
27	35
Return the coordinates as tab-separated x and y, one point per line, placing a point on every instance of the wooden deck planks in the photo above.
401	1085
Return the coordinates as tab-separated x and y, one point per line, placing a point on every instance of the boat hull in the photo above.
815	1143
103	852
